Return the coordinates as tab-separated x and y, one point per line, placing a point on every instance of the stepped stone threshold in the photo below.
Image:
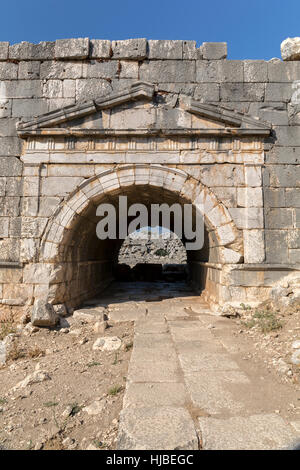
85	121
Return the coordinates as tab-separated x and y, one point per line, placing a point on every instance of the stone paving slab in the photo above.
257	432
152	371
200	361
143	355
189	331
159	428
155	394
209	390
127	314
150	341
150	327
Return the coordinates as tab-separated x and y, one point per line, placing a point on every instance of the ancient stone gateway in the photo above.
155	136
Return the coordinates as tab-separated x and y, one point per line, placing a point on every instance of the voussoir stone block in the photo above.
214	50
135	49
77	48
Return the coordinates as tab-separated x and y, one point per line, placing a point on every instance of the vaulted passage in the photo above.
88	264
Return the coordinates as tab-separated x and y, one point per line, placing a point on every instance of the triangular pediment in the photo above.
143	108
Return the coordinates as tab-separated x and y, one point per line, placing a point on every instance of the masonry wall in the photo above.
38	78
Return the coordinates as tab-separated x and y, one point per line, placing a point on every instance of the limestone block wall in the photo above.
39	78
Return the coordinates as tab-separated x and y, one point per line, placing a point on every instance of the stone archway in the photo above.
79	264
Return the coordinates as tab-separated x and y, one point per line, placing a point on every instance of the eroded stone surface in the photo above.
160	428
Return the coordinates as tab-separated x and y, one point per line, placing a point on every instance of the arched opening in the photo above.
83	264
152	254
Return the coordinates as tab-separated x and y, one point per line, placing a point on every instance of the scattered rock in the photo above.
89	315
95	408
109	343
43	314
296	344
295	359
290	49
67	412
29	328
100	326
36	377
60	310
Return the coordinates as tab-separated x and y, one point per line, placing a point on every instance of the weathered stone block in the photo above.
129	69
274	197
292	197
249	197
53	89
43	314
33	227
9	206
294	238
76	48
92	88
214	50
168	71
290	49
282	176
279	72
21	89
288	135
4	227
279	218
189	50
4	50
207	71
15	227
279	92
255	71
249	218
253	176
10	166
100	49
135	49
103	69
29	70
17	294
231	71
61	69
276	246
27	51
56	186
29	248
294	256
207	92
9	249
8	71
26	108
10	146
5	107
164	49
242	92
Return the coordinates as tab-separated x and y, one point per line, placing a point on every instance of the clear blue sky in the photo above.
253	29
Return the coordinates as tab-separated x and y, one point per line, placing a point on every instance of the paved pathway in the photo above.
188	386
